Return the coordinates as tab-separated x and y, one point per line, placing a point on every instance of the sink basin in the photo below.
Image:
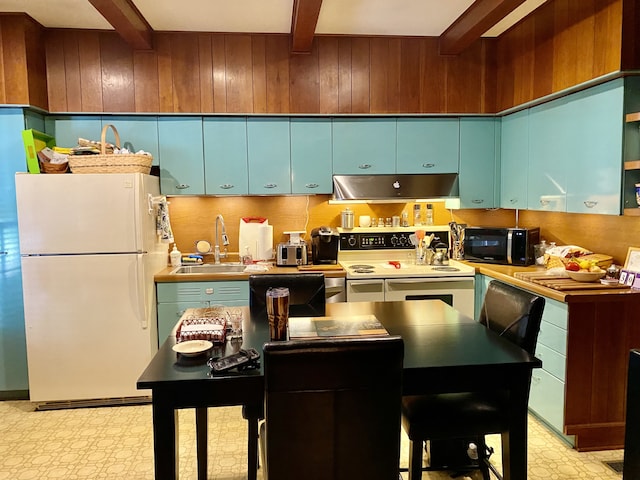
209	269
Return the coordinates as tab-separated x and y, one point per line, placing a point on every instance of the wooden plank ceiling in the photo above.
129	23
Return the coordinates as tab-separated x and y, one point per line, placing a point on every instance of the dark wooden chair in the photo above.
631	464
332	409
513	314
306	293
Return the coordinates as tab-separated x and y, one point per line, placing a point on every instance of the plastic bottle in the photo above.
247	258
429	217
176	256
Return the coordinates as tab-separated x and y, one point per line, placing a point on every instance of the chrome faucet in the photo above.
225	240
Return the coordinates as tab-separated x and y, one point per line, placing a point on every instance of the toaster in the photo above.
289	254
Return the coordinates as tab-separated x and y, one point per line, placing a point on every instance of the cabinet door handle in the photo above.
312	185
544	203
182	186
271	185
513	201
226	186
428	165
477	201
364	166
4	253
590	203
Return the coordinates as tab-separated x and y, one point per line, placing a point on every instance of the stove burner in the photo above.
361	267
446	269
362	270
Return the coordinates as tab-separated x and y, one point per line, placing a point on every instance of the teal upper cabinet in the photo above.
428	145
68	128
181	155
136	133
575	152
514	158
594	170
550	150
269	154
225	155
479	150
364	146
311	164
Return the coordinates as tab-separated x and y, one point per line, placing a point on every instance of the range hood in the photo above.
395	188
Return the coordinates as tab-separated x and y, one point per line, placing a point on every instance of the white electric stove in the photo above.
380	266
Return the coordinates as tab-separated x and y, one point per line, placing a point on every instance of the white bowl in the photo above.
586	276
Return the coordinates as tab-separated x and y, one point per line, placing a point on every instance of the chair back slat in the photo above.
332	408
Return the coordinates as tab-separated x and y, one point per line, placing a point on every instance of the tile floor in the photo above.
116	443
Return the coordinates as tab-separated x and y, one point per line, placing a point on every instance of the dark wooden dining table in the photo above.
445	351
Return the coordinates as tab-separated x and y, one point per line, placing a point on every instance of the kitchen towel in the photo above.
163	224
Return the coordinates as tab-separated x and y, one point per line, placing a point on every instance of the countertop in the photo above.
164	275
503	273
506	273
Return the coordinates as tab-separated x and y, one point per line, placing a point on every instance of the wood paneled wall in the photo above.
22	61
92	71
562	44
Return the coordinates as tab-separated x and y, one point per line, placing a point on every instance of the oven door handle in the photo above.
366	282
427	280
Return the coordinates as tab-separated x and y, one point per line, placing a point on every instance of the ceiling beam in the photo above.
303	24
128	22
477	19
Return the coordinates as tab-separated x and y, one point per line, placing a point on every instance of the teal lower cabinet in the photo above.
584	343
174	298
547	396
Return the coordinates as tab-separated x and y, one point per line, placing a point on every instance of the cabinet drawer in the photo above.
552	361
212	292
553	337
547	398
555	313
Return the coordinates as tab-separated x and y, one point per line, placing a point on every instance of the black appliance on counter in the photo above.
324	246
507	246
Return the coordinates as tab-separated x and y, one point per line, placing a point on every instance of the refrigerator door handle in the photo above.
141	292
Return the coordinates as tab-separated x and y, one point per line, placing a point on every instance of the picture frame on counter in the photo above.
630	273
630	279
632	263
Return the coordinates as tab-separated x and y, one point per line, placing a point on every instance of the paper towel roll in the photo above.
264	243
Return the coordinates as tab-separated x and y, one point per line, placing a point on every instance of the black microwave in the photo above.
507	246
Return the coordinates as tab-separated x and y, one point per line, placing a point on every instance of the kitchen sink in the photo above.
209	269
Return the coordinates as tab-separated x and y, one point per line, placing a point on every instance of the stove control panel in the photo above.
384	240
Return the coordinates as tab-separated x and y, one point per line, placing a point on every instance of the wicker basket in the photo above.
110	163
48	167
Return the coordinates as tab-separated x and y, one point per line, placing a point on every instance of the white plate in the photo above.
191	348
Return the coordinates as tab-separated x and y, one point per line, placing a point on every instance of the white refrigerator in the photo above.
89	251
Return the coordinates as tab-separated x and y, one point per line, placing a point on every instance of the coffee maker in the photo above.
324	246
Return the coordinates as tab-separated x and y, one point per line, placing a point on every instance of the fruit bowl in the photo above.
586	276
